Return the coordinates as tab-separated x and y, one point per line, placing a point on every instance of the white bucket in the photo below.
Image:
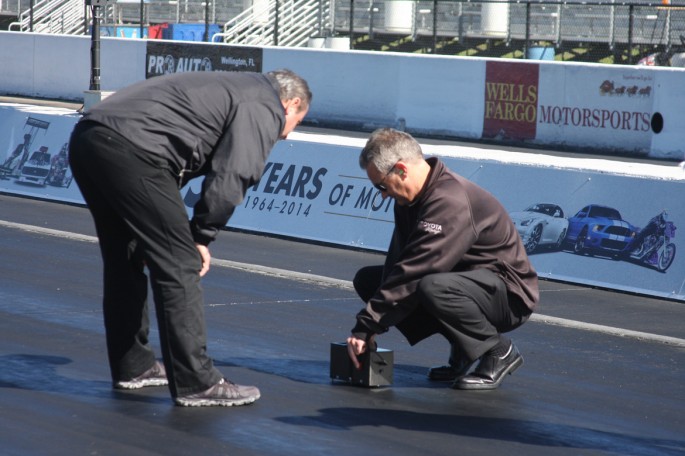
494	19
338	42
398	16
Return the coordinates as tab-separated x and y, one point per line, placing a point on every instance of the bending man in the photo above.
130	155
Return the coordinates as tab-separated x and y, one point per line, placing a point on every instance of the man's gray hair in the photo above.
291	86
387	146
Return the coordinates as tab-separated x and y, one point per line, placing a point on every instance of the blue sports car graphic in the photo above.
541	224
600	229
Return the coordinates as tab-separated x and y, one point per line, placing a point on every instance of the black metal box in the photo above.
376	367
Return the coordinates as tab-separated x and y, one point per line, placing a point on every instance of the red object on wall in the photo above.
155	31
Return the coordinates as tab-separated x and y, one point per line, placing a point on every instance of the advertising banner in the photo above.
166	57
34	152
603	108
511	98
586	226
313	191
591	226
608	223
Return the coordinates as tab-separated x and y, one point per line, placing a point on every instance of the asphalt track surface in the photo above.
604	372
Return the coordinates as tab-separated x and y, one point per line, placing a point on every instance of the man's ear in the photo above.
401	169
293	104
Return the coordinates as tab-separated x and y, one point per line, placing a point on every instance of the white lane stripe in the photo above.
620	332
49	231
345	284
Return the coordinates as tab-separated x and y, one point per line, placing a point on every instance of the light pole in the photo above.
96	6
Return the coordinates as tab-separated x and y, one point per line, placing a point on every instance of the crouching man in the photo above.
456	266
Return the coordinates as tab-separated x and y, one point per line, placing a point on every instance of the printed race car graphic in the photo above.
600	230
541	224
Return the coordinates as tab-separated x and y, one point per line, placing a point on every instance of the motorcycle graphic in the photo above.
652	246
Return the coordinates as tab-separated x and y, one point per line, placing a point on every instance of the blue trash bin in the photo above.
189	32
541	53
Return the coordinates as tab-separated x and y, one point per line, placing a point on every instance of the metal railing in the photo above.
546	20
52	16
275	22
455	27
625	26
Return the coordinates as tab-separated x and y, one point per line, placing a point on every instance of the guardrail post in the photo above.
612	28
319	19
525	44
667	31
351	24
372	15
460	22
558	25
142	18
276	23
509	25
630	34
435	26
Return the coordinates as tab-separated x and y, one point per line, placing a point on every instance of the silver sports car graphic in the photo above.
541	224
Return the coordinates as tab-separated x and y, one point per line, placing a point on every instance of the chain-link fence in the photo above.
605	32
602	31
184	11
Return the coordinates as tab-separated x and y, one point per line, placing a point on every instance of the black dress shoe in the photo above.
450	372
491	371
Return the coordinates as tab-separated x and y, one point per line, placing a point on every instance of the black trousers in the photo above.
141	221
470	309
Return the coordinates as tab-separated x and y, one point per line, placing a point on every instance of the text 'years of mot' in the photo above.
304	182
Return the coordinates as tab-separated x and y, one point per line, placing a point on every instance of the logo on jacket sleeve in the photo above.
429	227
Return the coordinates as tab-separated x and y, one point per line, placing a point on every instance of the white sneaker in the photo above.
224	394
154	376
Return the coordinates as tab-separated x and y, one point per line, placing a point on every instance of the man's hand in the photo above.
356	347
206	257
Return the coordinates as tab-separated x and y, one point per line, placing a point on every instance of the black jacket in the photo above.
221	125
453	225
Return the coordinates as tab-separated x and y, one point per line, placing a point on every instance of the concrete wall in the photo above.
589	107
313	189
586	106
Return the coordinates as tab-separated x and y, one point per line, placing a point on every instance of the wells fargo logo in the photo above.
511	97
